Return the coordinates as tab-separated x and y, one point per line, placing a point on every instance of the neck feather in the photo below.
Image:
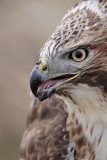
87	119
88	103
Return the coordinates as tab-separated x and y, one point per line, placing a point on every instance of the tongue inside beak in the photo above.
45	89
47	84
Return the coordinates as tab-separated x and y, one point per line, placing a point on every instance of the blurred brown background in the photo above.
24	27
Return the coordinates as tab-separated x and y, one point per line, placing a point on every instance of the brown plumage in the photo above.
46	137
73	65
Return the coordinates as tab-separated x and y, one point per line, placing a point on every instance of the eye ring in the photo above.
78	55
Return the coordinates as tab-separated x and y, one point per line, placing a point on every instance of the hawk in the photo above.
72	66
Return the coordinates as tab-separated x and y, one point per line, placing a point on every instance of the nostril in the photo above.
44	68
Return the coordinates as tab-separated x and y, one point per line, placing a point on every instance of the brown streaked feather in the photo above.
44	136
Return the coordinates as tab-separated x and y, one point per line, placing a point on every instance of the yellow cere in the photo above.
43	66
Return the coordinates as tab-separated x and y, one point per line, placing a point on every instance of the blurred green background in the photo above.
24	27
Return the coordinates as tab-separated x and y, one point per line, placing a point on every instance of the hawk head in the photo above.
75	56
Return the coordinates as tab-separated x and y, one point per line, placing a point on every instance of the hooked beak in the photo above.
42	86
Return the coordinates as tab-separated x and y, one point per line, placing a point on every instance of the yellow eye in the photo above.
78	55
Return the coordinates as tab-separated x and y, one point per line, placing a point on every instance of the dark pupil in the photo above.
78	54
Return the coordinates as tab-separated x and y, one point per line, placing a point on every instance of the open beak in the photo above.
42	86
